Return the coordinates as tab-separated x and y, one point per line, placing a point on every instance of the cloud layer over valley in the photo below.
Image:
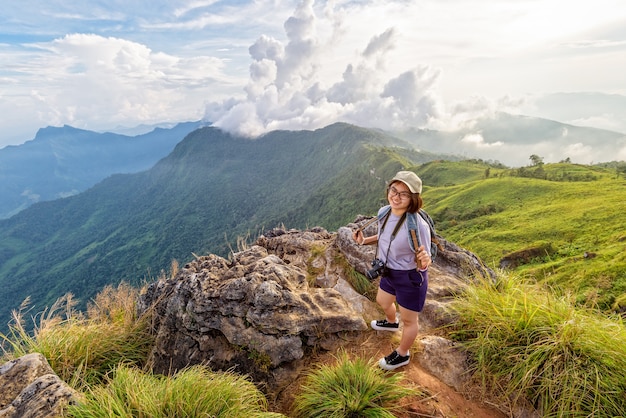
255	66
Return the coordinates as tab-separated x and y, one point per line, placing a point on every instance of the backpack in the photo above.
435	246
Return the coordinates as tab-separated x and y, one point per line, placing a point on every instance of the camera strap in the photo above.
393	233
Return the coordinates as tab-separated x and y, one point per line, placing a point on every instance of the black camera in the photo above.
378	268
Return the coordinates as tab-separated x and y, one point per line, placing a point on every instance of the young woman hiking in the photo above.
403	269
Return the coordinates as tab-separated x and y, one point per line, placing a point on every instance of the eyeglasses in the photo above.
393	192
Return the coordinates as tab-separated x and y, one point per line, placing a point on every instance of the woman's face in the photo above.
399	196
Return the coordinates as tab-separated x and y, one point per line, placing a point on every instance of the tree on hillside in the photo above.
536	160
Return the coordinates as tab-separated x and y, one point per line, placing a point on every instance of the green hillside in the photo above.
211	190
561	224
568	232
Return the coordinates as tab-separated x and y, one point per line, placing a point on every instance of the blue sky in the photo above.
254	66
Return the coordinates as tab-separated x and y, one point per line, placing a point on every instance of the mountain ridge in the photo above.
212	189
215	189
510	139
64	161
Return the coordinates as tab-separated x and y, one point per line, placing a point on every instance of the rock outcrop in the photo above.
256	314
260	312
30	388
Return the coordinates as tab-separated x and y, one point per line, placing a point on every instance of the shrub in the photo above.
569	362
193	392
83	349
350	389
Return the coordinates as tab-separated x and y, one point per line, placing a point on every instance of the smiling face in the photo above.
399	197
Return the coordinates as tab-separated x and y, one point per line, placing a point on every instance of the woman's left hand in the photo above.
422	258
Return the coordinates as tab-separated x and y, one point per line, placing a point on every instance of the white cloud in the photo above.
94	82
579	151
254	66
609	121
477	140
33	197
287	79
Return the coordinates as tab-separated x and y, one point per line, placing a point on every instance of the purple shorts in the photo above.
408	286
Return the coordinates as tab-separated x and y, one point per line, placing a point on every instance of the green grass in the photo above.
443	173
193	392
529	344
83	349
537	335
103	354
583	221
350	388
100	354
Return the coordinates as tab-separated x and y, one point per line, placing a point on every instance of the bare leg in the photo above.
387	302
409	330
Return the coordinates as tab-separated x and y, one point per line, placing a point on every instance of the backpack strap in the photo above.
415	239
412	226
416	245
384	213
435	244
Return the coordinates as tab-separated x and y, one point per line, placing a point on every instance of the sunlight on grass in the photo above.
582	223
567	361
83	349
350	388
193	392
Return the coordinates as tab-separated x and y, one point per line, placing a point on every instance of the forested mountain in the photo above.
212	189
65	161
558	223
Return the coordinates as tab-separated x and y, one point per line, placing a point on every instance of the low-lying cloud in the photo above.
285	90
288	89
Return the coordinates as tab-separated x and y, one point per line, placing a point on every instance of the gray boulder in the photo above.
31	389
262	311
256	314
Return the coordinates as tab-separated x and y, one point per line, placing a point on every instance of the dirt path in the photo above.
442	401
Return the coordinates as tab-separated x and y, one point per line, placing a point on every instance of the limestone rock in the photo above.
260	312
255	314
31	389
441	358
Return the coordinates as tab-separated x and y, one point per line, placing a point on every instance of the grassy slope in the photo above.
501	215
212	189
324	178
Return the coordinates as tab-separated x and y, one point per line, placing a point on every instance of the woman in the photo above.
405	275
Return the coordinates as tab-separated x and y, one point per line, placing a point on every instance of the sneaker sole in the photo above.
383	364
377	328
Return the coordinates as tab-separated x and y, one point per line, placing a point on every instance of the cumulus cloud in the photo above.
255	66
578	151
286	90
95	82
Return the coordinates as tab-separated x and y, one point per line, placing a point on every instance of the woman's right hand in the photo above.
358	237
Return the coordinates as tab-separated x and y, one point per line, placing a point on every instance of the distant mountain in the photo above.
61	162
600	110
512	139
211	190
